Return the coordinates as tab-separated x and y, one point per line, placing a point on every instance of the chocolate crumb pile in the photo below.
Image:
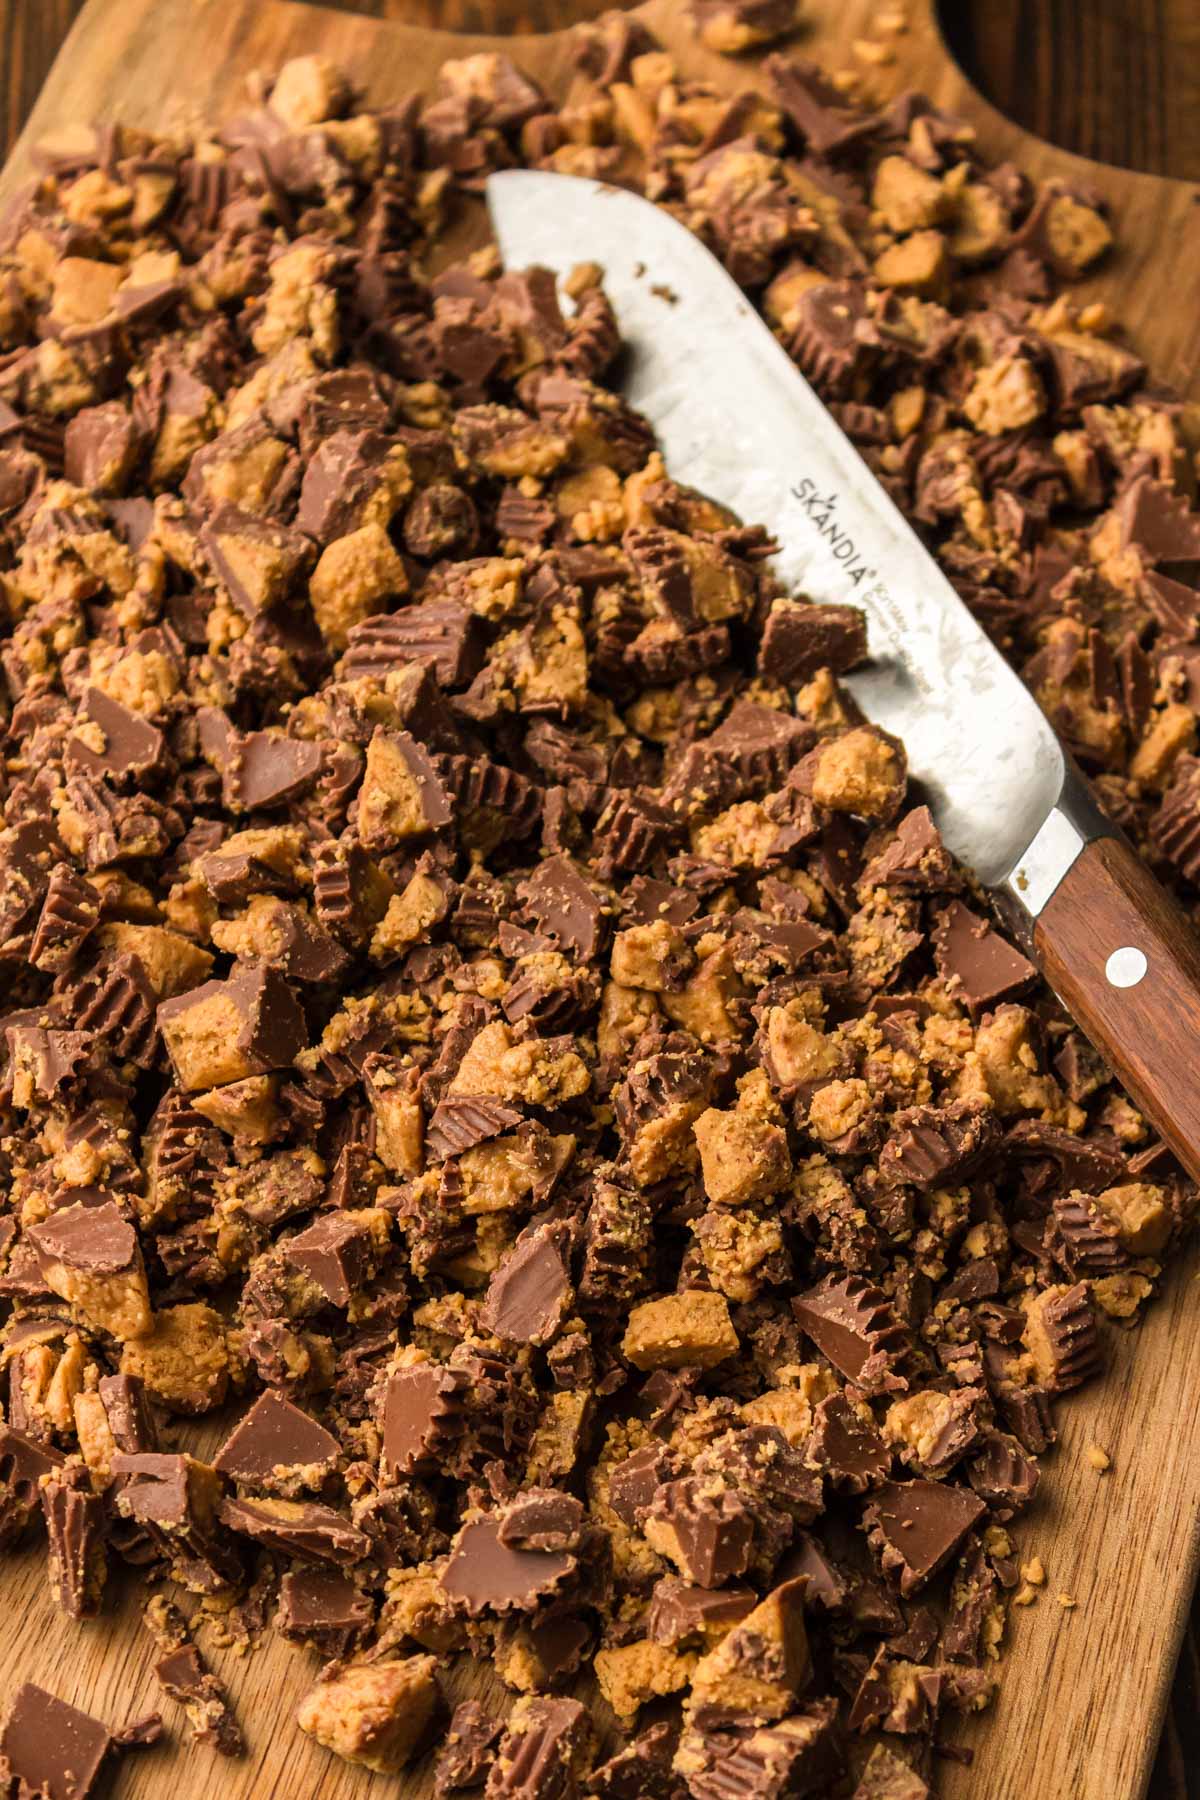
481	1004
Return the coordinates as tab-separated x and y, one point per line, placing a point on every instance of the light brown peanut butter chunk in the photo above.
375	1714
680	1331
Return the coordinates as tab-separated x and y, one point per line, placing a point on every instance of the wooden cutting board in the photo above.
1086	1685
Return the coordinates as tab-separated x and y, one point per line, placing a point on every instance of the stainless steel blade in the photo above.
737	420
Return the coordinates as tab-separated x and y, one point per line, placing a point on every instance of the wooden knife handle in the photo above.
1125	962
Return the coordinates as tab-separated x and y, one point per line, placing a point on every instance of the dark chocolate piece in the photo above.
975	960
916	1526
278	1447
51	1750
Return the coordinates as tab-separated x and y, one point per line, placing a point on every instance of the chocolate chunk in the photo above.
799	640
853	1324
175	1497
1158	520
402	795
974	960
76	1526
324	1609
224	1031
460	1121
916	1526
338	1253
422	1414
544	1753
24	1463
682	1614
528	1296
440	633
111	740
847	1447
1062	1336
467	1752
797	1756
484	1575
50	1749
264	769
278	1447
564	906
297	1528
633	1483
542	1519
100	448
1004	1475
708	1535
642	1770
70	913
932	1146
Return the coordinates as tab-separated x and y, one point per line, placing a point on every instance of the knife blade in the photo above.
736	419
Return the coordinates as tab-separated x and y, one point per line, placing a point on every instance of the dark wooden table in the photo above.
1118	80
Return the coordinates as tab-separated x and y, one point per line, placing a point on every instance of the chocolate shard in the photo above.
1004	1475
70	913
76	1524
798	1756
916	1526
52	1751
460	1121
485	1575
278	1447
852	1323
913	858
565	906
423	1413
798	640
24	1465
441	633
974	960
183	1674
642	1770
545	1752
323	1609
223	1031
468	1750
888	1777
529	1295
304	1529
846	1445
685	1615
707	1532
265	769
931	1146
111	740
339	1253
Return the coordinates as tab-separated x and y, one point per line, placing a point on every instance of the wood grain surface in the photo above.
1087	1684
1115	79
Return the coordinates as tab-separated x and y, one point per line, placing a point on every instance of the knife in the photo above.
736	419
